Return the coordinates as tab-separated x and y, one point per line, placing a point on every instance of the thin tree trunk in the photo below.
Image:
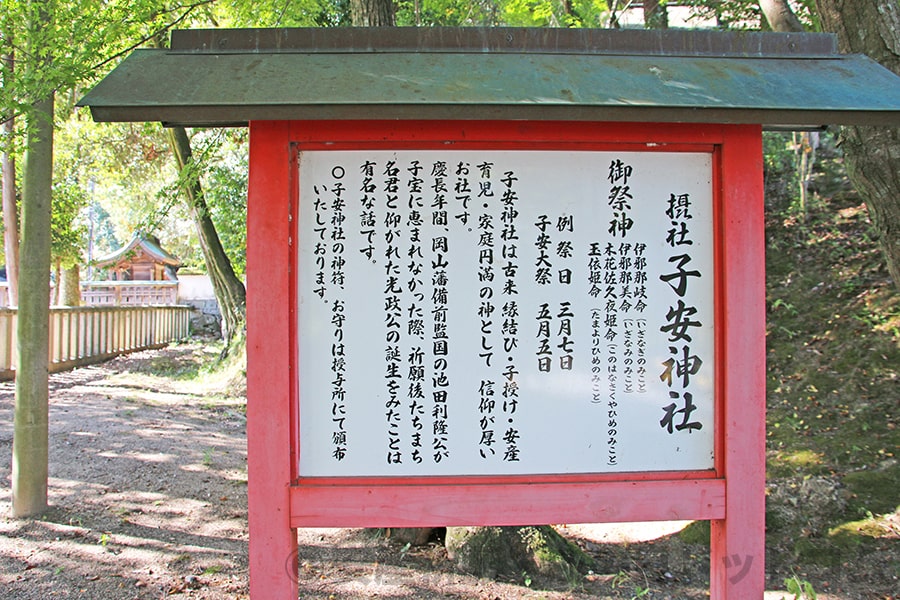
230	292
10	212
30	428
872	154
70	286
613	21
10	219
655	15
780	16
805	145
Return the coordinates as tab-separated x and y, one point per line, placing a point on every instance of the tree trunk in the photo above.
780	16
372	13
30	430
514	553
70	286
872	154
10	211
230	292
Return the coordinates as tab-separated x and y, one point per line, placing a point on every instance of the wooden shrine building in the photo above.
141	272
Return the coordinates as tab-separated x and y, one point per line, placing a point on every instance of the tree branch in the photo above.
83	75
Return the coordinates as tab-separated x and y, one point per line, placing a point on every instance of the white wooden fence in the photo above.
85	335
122	293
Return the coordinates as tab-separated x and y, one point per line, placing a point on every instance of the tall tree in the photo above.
229	290
57	44
10	208
30	427
872	154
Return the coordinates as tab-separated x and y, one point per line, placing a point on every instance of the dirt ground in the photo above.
148	500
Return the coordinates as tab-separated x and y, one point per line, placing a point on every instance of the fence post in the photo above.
52	333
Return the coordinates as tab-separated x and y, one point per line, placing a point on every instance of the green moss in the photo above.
784	463
820	551
509	552
696	533
870	527
554	555
876	490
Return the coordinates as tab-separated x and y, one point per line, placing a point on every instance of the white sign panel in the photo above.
505	312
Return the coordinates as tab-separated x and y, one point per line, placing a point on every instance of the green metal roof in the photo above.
230	77
139	240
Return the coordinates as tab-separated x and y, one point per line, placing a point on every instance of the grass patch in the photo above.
212	570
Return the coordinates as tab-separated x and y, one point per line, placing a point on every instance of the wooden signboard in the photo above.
501	323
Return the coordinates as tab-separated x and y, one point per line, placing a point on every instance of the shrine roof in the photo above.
228	77
146	243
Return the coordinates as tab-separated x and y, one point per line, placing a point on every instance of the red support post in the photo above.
273	544
737	560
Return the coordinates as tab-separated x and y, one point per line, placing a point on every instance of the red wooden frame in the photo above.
731	496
